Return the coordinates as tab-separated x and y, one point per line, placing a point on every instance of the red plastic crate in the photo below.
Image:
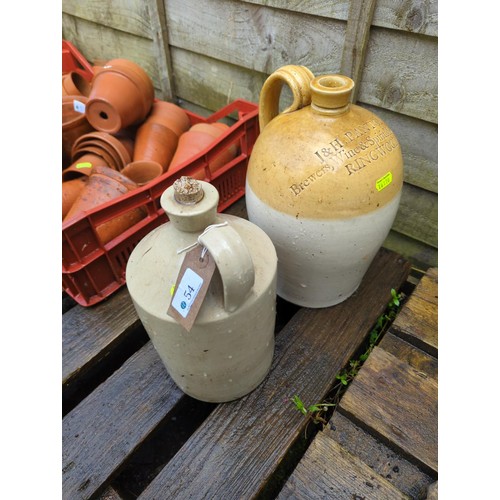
72	60
92	271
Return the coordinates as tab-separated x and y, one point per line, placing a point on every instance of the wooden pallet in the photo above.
382	443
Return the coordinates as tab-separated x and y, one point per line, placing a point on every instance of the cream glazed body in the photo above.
229	350
321	262
324	182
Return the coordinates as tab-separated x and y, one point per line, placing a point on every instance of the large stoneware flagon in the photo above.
228	350
324	182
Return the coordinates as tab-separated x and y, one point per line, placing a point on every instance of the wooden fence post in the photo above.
356	40
159	32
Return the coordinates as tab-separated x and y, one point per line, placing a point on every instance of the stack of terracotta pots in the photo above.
116	134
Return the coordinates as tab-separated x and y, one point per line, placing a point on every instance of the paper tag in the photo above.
187	292
384	181
191	286
78	106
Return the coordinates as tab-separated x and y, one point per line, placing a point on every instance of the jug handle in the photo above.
298	78
234	262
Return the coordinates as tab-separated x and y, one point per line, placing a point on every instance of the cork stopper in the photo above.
331	94
187	191
190	205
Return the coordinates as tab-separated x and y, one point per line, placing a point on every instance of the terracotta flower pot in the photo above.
95	149
107	143
74	83
70	191
196	139
142	172
231	152
154	142
190	144
122	95
207	128
83	166
74	124
169	115
103	185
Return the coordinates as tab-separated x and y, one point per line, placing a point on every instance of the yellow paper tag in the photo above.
84	164
172	288
384	181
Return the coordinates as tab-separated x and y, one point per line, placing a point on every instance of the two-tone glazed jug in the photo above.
228	349
324	182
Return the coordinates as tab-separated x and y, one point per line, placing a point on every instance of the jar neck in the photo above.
193	207
331	94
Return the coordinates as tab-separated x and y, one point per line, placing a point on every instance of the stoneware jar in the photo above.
229	348
324	182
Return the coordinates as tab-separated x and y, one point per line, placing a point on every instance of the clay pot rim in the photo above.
118	147
96	150
84	172
99	148
80	81
115	175
70	87
79	117
150	163
111	141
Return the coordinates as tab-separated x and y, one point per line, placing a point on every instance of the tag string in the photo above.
198	242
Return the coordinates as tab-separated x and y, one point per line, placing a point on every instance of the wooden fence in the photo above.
203	54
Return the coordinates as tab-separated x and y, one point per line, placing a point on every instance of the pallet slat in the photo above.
410	354
397	402
417	321
102	431
328	470
382	459
89	335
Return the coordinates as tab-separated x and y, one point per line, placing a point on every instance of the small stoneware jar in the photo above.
324	182
229	349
